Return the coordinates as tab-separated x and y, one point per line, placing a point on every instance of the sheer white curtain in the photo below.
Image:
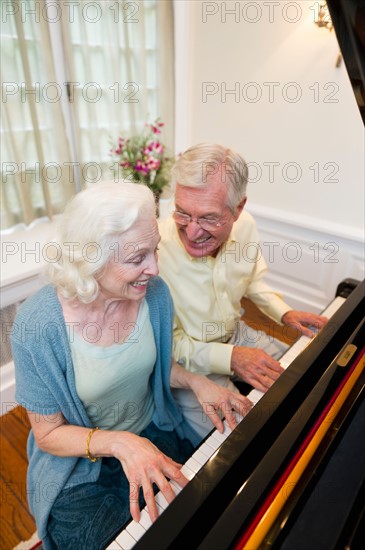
120	75
118	60
34	146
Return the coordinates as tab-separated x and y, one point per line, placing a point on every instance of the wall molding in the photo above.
307	258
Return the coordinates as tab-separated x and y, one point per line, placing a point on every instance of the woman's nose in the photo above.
152	267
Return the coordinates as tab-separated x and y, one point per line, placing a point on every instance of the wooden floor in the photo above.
16	523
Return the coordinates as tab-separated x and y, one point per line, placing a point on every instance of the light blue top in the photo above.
45	383
113	382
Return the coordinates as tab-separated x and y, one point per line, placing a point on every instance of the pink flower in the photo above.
155	128
152	163
158	147
144	154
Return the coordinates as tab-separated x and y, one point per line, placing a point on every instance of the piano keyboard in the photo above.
134	531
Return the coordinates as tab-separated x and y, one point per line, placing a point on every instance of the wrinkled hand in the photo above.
301	321
144	464
216	399
255	367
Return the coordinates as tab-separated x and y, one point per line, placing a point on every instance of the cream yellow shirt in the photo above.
207	293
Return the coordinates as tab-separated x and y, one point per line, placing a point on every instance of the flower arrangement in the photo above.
142	158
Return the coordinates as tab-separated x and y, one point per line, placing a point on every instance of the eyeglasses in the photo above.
205	223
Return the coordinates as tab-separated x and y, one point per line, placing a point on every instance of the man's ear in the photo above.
239	208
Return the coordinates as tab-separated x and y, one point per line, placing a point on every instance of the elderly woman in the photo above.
92	352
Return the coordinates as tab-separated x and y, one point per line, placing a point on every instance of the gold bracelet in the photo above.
88	454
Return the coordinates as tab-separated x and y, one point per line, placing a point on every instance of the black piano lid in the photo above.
236	518
348	18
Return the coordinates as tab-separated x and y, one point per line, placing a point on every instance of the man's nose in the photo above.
193	230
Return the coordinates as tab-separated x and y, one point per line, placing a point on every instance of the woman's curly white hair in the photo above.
91	224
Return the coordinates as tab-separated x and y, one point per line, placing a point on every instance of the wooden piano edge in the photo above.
307	482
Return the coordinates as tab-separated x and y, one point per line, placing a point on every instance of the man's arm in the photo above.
201	357
251	365
272	304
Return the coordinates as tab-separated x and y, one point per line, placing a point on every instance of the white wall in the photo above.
317	140
234	53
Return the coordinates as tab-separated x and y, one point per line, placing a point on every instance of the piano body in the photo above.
318	400
291	476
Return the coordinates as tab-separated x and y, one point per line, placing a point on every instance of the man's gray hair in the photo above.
199	163
88	233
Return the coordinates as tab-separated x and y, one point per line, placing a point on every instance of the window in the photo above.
75	76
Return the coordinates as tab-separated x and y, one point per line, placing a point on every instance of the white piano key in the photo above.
294	351
333	306
145	519
255	396
193	464
220	437
113	546
206	450
159	508
188	472
212	442
175	487
200	457
135	530
227	429
125	540
161	500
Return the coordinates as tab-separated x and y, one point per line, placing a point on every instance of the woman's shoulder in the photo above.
39	305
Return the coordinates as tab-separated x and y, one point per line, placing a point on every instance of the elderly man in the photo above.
210	257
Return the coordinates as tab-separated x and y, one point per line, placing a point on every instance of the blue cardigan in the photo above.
45	384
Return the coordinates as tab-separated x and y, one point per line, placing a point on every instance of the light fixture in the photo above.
322	18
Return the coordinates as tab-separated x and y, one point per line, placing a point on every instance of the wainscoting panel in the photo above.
305	264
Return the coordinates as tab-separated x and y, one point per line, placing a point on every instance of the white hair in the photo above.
89	226
198	163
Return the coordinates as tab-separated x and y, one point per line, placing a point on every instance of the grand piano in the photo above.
291	476
314	413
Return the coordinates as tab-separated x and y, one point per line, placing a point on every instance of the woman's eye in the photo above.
138	260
